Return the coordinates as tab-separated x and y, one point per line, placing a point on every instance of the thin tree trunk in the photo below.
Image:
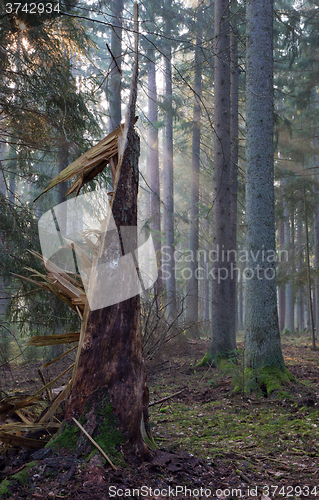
4	296
281	290
289	243
234	77
240	324
169	185
12	167
262	337
192	288
316	231
205	225
222	339
314	305
300	292
154	162
63	157
310	315
164	197
114	81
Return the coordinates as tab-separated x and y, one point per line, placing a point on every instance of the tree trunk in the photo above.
109	389
207	325
281	290
234	76
240	323
12	167
4	296
154	162
169	185
164	197
222	339
109	392
316	231
300	292
192	284
310	316
289	243
114	81
262	337
314	305
63	157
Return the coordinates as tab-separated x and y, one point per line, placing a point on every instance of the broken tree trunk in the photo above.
109	395
109	389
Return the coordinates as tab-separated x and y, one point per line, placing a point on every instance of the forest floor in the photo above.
211	442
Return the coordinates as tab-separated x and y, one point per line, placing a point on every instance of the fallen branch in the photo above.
167	397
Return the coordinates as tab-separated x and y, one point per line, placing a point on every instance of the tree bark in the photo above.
281	290
240	323
310	316
290	303
300	292
234	77
109	392
316	231
154	163
222	339
114	83
192	283
206	229
63	157
169	264
4	296
262	337
109	388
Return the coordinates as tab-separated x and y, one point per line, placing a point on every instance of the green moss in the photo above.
21	477
219	360
106	434
67	438
267	380
206	361
5	488
109	437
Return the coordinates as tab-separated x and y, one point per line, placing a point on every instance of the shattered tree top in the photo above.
91	163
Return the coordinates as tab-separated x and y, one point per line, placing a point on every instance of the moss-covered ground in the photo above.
275	431
19	479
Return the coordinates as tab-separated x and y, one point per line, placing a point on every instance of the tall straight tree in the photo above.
115	79
262	338
154	160
192	289
223	341
282	288
234	80
169	173
316	234
289	300
300	265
